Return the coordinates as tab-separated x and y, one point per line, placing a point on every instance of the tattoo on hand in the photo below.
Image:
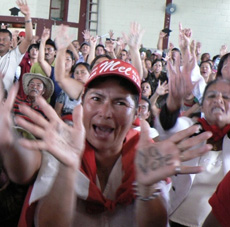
150	159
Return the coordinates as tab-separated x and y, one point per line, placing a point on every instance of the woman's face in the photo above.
68	62
205	70
81	74
109	111
157	67
146	89
148	64
216	104
225	71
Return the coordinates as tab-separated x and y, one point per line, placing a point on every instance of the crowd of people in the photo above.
109	133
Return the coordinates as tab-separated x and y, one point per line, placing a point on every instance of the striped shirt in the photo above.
25	101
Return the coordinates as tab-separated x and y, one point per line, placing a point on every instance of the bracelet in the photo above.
154	195
28	21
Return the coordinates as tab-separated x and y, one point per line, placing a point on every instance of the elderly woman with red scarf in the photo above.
189	194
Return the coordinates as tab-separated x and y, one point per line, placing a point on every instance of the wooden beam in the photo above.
167	25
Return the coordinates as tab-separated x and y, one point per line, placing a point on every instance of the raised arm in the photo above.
71	86
66	144
25	10
160	40
134	41
46	67
92	42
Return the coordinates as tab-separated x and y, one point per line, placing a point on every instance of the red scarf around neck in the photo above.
96	202
217	133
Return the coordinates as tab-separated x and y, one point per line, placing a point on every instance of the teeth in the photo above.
104	129
217	110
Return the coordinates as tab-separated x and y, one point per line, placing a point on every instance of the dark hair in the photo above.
202	56
34	45
86	65
150	83
51	43
98	57
211	83
176	49
215	57
155	61
150	119
6	31
221	64
208	61
126	84
100	45
124	50
71	54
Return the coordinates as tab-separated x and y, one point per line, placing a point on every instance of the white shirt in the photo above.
8	66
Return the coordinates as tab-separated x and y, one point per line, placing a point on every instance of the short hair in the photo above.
6	31
34	45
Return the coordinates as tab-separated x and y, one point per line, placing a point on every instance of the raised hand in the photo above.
223	50
134	38
62	141
157	161
162	88
45	34
111	34
24	8
62	41
86	35
184	37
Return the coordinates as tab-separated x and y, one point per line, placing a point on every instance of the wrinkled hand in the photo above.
157	161
64	40
62	141
25	10
134	38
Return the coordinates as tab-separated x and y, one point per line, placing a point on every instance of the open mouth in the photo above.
102	131
217	110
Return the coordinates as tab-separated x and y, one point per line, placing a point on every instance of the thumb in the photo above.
144	135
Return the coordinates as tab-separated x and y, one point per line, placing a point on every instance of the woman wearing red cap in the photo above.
86	172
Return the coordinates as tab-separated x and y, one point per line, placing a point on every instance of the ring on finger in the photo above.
178	169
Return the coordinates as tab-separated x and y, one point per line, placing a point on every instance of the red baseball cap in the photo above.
116	67
23	34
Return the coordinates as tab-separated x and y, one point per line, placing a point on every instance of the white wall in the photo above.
209	20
